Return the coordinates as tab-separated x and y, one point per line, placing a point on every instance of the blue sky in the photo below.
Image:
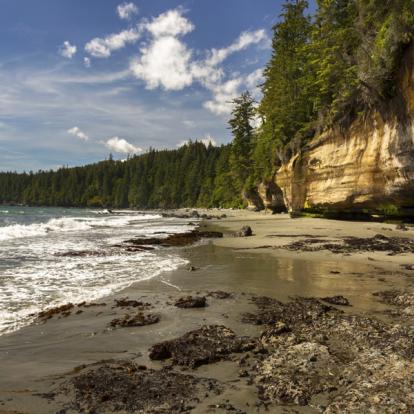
82	78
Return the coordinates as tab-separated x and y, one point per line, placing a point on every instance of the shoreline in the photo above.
39	359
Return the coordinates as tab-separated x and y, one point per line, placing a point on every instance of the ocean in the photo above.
34	277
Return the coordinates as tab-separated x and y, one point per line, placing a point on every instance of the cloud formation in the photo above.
76	132
223	95
103	47
167	62
122	146
67	50
244	41
125	10
170	23
207	140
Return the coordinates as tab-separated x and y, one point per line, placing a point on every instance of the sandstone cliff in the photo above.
368	167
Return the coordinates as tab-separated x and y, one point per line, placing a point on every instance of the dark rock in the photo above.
140	319
219	294
191	302
278	328
80	253
396	297
337	300
360	364
131	303
195	214
246	231
124	386
134	249
63	310
92	304
179	239
402	301
160	352
271	311
203	346
378	243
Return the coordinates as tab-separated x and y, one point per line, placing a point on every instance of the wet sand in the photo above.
37	360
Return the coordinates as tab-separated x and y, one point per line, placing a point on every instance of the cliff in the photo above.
367	167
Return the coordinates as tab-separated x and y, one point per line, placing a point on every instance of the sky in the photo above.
80	79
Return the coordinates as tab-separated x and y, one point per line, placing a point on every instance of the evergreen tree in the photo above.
243	115
286	107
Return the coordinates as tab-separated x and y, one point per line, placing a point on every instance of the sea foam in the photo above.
66	224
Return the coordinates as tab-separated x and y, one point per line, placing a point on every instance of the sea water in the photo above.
35	276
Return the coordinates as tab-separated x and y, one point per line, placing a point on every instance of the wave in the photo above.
74	282
68	224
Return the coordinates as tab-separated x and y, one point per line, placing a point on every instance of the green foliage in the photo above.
328	70
193	175
286	106
325	70
243	115
389	210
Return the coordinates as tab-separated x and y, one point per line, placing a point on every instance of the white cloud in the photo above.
207	140
67	50
121	145
126	10
223	95
245	40
103	47
164	63
87	62
167	62
76	132
170	23
254	79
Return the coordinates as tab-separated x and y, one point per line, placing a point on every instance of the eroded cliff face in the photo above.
369	166
267	196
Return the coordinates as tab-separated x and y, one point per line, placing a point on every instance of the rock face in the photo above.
245	231
368	166
267	196
271	196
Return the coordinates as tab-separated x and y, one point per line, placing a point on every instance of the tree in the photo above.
243	115
286	108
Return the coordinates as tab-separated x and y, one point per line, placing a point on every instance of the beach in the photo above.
285	261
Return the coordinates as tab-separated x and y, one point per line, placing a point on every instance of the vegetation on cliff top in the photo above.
327	69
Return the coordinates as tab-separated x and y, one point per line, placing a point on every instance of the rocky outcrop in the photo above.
267	196
252	200
271	196
367	167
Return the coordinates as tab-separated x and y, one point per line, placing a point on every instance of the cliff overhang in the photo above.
366	169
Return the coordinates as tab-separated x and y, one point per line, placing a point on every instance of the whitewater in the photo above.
34	276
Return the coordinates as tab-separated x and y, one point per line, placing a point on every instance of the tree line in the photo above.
326	69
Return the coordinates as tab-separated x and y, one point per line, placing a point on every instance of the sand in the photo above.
36	360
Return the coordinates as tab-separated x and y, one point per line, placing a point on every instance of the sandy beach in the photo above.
44	367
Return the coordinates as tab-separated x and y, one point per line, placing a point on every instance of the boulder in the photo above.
337	300
246	231
191	302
